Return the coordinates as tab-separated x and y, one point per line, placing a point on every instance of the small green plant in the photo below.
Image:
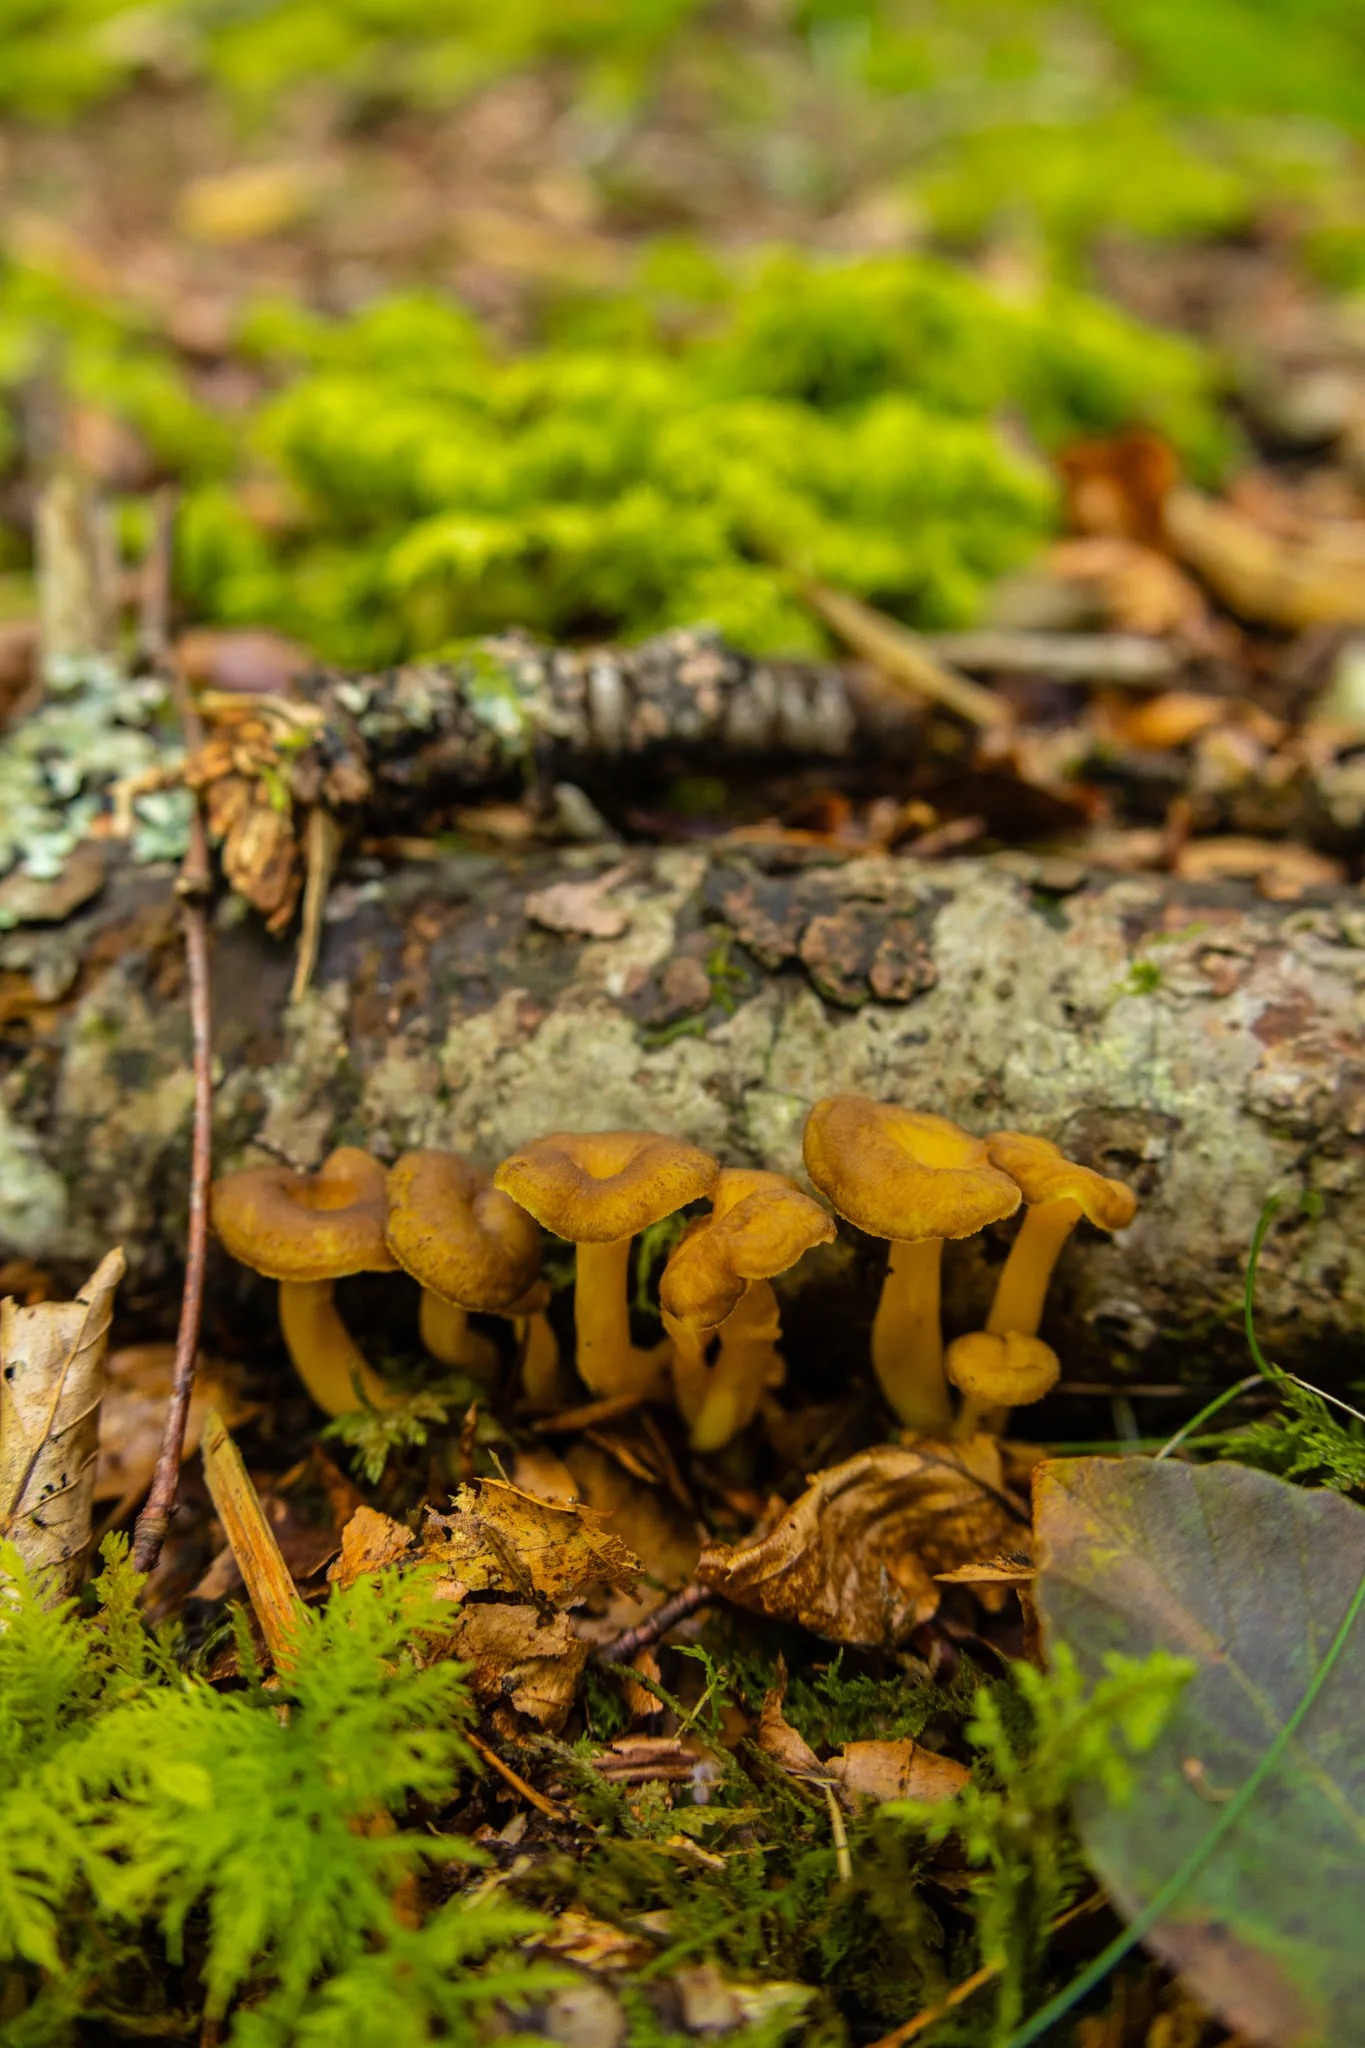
1038	1738
374	1434
165	1844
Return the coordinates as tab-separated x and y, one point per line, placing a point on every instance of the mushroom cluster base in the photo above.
1193	1040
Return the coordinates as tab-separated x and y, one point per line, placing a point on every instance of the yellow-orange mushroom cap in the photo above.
308	1230
1058	1193
903	1174
1043	1173
469	1246
916	1179
598	1188
760	1225
1002	1372
457	1234
306	1226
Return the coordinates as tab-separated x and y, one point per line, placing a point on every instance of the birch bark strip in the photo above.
51	1378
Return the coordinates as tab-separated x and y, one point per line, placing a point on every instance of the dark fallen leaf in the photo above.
854	1558
498	1539
1251	1578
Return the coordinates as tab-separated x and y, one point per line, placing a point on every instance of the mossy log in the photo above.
1194	1040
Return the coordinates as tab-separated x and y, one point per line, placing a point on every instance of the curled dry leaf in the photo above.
370	1542
498	1539
854	1558
520	1658
1251	1578
898	1768
51	1377
1313	578
594	1944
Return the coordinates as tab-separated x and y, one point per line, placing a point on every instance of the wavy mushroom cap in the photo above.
596	1187
452	1230
1002	1372
903	1173
760	1224
1045	1174
306	1226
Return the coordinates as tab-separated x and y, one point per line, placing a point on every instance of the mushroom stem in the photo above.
907	1341
324	1352
540	1376
1022	1286
747	1364
691	1373
608	1363
445	1330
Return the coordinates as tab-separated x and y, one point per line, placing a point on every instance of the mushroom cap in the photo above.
902	1173
306	1226
596	1187
1045	1174
1002	1372
760	1224
455	1233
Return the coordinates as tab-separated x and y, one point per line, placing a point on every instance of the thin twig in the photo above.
626	1646
514	1778
193	889
321	844
904	657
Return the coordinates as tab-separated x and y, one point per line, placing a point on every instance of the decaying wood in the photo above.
265	1574
51	1377
1189	1037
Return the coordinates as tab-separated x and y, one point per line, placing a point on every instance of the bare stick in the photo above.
265	1574
193	889
905	657
322	842
514	1778
626	1646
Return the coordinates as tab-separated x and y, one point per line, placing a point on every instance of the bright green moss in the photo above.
842	421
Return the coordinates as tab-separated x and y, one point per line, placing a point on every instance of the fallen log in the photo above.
1198	1042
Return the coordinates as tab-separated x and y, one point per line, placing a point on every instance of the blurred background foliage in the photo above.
840	335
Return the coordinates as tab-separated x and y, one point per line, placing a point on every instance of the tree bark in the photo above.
1191	1039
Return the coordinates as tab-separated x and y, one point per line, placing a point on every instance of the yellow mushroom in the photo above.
309	1230
1058	1193
915	1179
997	1373
597	1189
472	1249
717	1279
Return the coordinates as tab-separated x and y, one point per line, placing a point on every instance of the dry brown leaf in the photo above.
521	1659
878	1770
896	1769
369	1543
647	1519
1313	578
1281	868
52	1356
136	1389
594	1944
853	1559
1162	723
1118	485
1130	587
578	908
498	1539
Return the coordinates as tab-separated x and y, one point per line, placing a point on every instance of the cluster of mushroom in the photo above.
471	1242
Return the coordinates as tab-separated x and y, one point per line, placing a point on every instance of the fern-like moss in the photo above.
149	1819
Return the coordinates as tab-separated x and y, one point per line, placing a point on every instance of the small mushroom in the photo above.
1058	1193
471	1249
309	1230
997	1373
597	1189
916	1179
717	1278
